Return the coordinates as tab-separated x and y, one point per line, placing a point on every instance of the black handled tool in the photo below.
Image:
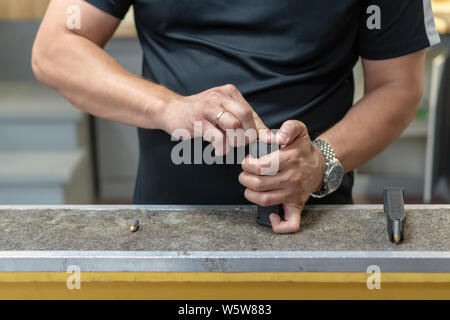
264	212
395	214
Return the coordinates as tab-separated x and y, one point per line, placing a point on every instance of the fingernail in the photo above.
282	138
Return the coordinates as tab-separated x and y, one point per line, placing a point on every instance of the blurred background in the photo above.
52	153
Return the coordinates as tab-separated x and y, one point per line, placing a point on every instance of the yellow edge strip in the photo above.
316	277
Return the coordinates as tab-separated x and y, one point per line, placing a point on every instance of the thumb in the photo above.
290	130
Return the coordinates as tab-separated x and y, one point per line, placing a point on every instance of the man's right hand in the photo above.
206	107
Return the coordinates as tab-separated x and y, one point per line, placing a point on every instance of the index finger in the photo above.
266	165
248	117
263	131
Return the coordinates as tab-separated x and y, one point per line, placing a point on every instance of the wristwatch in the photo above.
334	172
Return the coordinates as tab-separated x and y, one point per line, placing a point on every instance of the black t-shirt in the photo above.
291	59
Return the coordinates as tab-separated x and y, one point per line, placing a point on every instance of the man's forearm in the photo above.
93	81
372	124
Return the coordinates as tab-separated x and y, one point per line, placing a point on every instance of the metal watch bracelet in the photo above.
331	163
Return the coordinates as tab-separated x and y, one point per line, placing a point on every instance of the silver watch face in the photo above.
335	176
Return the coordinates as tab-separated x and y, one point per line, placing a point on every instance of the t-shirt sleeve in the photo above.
393	28
116	8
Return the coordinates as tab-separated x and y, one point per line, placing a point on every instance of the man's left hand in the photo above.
301	172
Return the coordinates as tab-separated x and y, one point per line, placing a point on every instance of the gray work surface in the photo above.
328	228
218	239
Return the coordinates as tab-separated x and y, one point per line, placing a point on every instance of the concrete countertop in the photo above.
340	228
219	239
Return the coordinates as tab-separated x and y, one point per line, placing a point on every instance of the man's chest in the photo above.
303	17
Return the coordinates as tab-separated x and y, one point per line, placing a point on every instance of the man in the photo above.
229	65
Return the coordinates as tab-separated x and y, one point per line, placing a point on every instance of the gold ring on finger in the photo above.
218	116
